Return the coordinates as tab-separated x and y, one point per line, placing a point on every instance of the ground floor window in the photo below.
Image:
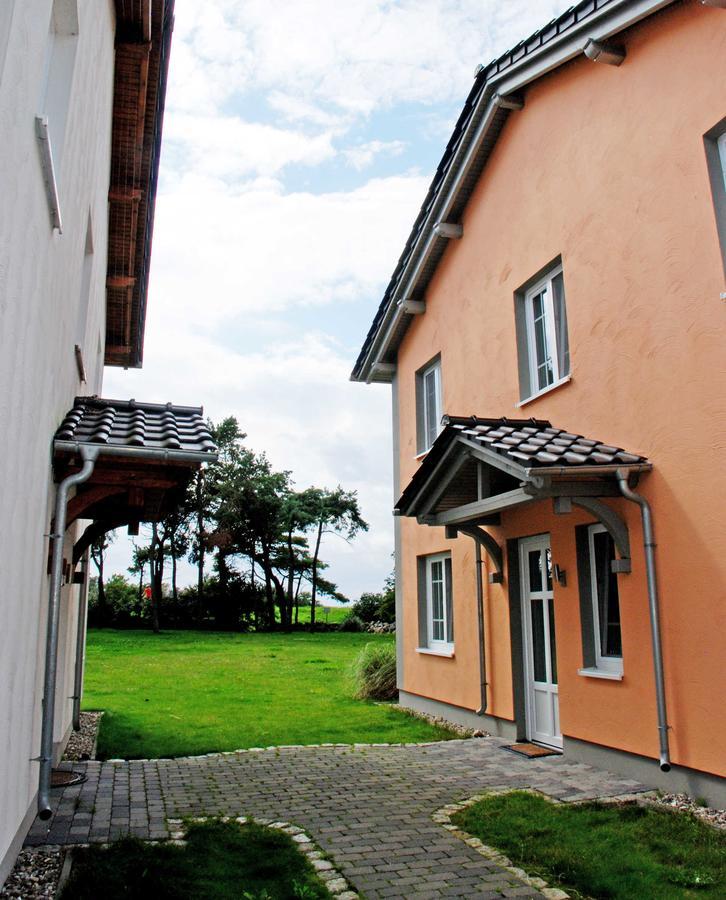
436	619
599	602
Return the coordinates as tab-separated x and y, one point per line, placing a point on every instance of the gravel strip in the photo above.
35	875
684	803
82	744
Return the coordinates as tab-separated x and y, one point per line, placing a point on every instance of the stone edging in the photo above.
443	817
324	869
277	747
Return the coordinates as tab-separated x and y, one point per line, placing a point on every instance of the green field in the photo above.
332	615
185	693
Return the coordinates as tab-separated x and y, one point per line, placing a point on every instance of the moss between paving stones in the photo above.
209	859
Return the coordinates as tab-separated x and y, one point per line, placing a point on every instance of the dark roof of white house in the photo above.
129	425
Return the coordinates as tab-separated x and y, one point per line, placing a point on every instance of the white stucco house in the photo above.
82	86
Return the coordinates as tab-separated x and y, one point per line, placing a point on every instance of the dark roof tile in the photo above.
126	423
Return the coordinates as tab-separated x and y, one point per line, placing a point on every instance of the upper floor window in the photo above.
544	352
428	405
715	143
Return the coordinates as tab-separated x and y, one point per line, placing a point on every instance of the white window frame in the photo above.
609	664
435	369
442	645
543	286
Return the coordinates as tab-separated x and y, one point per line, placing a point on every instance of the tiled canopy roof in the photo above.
535	443
127	424
525	447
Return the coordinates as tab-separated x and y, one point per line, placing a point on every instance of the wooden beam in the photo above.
88	498
470	511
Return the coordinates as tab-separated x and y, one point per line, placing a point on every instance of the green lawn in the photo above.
602	850
185	693
332	615
220	862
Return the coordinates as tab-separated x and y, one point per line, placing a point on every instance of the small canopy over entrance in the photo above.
146	453
128	462
479	468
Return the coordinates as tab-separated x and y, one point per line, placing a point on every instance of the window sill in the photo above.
601	673
445	651
552	387
422	454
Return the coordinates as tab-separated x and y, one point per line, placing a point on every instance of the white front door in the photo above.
539	647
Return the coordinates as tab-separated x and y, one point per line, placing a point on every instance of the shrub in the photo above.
375	672
352	622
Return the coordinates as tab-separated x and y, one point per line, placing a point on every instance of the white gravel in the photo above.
683	802
82	744
35	875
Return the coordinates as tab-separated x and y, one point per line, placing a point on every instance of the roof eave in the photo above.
600	25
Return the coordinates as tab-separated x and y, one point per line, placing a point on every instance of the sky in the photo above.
299	141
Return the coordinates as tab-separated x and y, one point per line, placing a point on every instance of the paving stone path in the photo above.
369	807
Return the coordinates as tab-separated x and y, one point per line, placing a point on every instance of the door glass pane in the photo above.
608	602
553	643
563	347
535	570
538	640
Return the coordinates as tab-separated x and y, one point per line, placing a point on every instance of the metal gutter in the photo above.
160	453
649	546
601	24
89	455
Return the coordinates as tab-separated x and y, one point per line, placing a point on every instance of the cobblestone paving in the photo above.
369	807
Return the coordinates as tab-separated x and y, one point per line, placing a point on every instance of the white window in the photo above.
438	601
428	405
544	347
607	643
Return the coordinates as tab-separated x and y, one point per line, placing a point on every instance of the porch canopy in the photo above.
478	468
145	455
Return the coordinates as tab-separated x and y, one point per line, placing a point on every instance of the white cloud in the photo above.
230	148
351	57
363	155
221	252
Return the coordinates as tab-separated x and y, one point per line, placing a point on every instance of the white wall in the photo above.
41	291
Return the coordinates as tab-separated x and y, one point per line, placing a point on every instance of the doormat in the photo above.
531	751
64	778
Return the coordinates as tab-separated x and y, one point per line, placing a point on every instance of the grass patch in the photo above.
187	692
603	850
331	615
220	861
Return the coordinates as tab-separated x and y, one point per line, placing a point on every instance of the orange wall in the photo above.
606	167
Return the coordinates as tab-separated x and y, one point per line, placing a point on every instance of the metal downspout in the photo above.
89	456
80	645
649	548
480	616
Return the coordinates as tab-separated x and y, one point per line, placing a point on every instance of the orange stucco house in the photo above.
555	337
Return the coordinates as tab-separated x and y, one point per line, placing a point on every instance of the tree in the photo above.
331	512
98	553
